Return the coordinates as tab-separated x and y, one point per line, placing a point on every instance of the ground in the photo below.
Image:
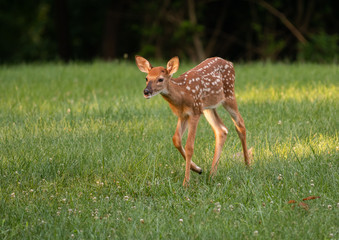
83	155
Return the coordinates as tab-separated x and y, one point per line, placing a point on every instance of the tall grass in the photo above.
83	155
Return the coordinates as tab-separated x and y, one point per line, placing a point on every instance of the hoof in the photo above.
199	170
185	184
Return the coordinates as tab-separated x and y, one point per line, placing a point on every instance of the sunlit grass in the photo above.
83	155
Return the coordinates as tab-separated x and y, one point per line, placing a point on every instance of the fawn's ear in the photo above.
143	64
173	65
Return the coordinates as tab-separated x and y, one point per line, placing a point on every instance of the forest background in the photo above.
245	30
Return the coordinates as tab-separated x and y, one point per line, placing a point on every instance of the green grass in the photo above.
83	155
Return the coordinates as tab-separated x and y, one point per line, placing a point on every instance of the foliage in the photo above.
84	155
321	48
25	31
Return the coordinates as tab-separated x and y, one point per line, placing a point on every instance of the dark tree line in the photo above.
193	29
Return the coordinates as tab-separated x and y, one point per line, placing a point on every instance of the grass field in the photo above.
84	156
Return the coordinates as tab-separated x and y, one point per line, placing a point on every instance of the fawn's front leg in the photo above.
189	148
177	141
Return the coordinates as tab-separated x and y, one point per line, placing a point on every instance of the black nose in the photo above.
147	91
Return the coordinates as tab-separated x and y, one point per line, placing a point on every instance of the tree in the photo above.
62	29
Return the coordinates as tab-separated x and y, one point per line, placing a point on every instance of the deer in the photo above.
198	91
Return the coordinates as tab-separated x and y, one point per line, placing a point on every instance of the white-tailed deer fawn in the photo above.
199	90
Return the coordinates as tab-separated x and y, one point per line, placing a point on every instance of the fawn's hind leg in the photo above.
220	132
232	108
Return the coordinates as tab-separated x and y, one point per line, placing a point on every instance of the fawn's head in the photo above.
157	77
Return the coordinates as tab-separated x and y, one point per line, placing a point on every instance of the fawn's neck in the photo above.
173	93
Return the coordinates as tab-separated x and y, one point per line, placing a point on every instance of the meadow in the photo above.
84	156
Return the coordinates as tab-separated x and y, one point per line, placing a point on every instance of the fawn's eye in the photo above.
146	79
160	80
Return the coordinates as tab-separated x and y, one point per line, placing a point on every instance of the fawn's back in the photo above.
208	84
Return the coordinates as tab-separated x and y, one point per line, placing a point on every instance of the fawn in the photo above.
195	92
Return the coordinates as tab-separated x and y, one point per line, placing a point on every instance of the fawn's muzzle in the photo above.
147	92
